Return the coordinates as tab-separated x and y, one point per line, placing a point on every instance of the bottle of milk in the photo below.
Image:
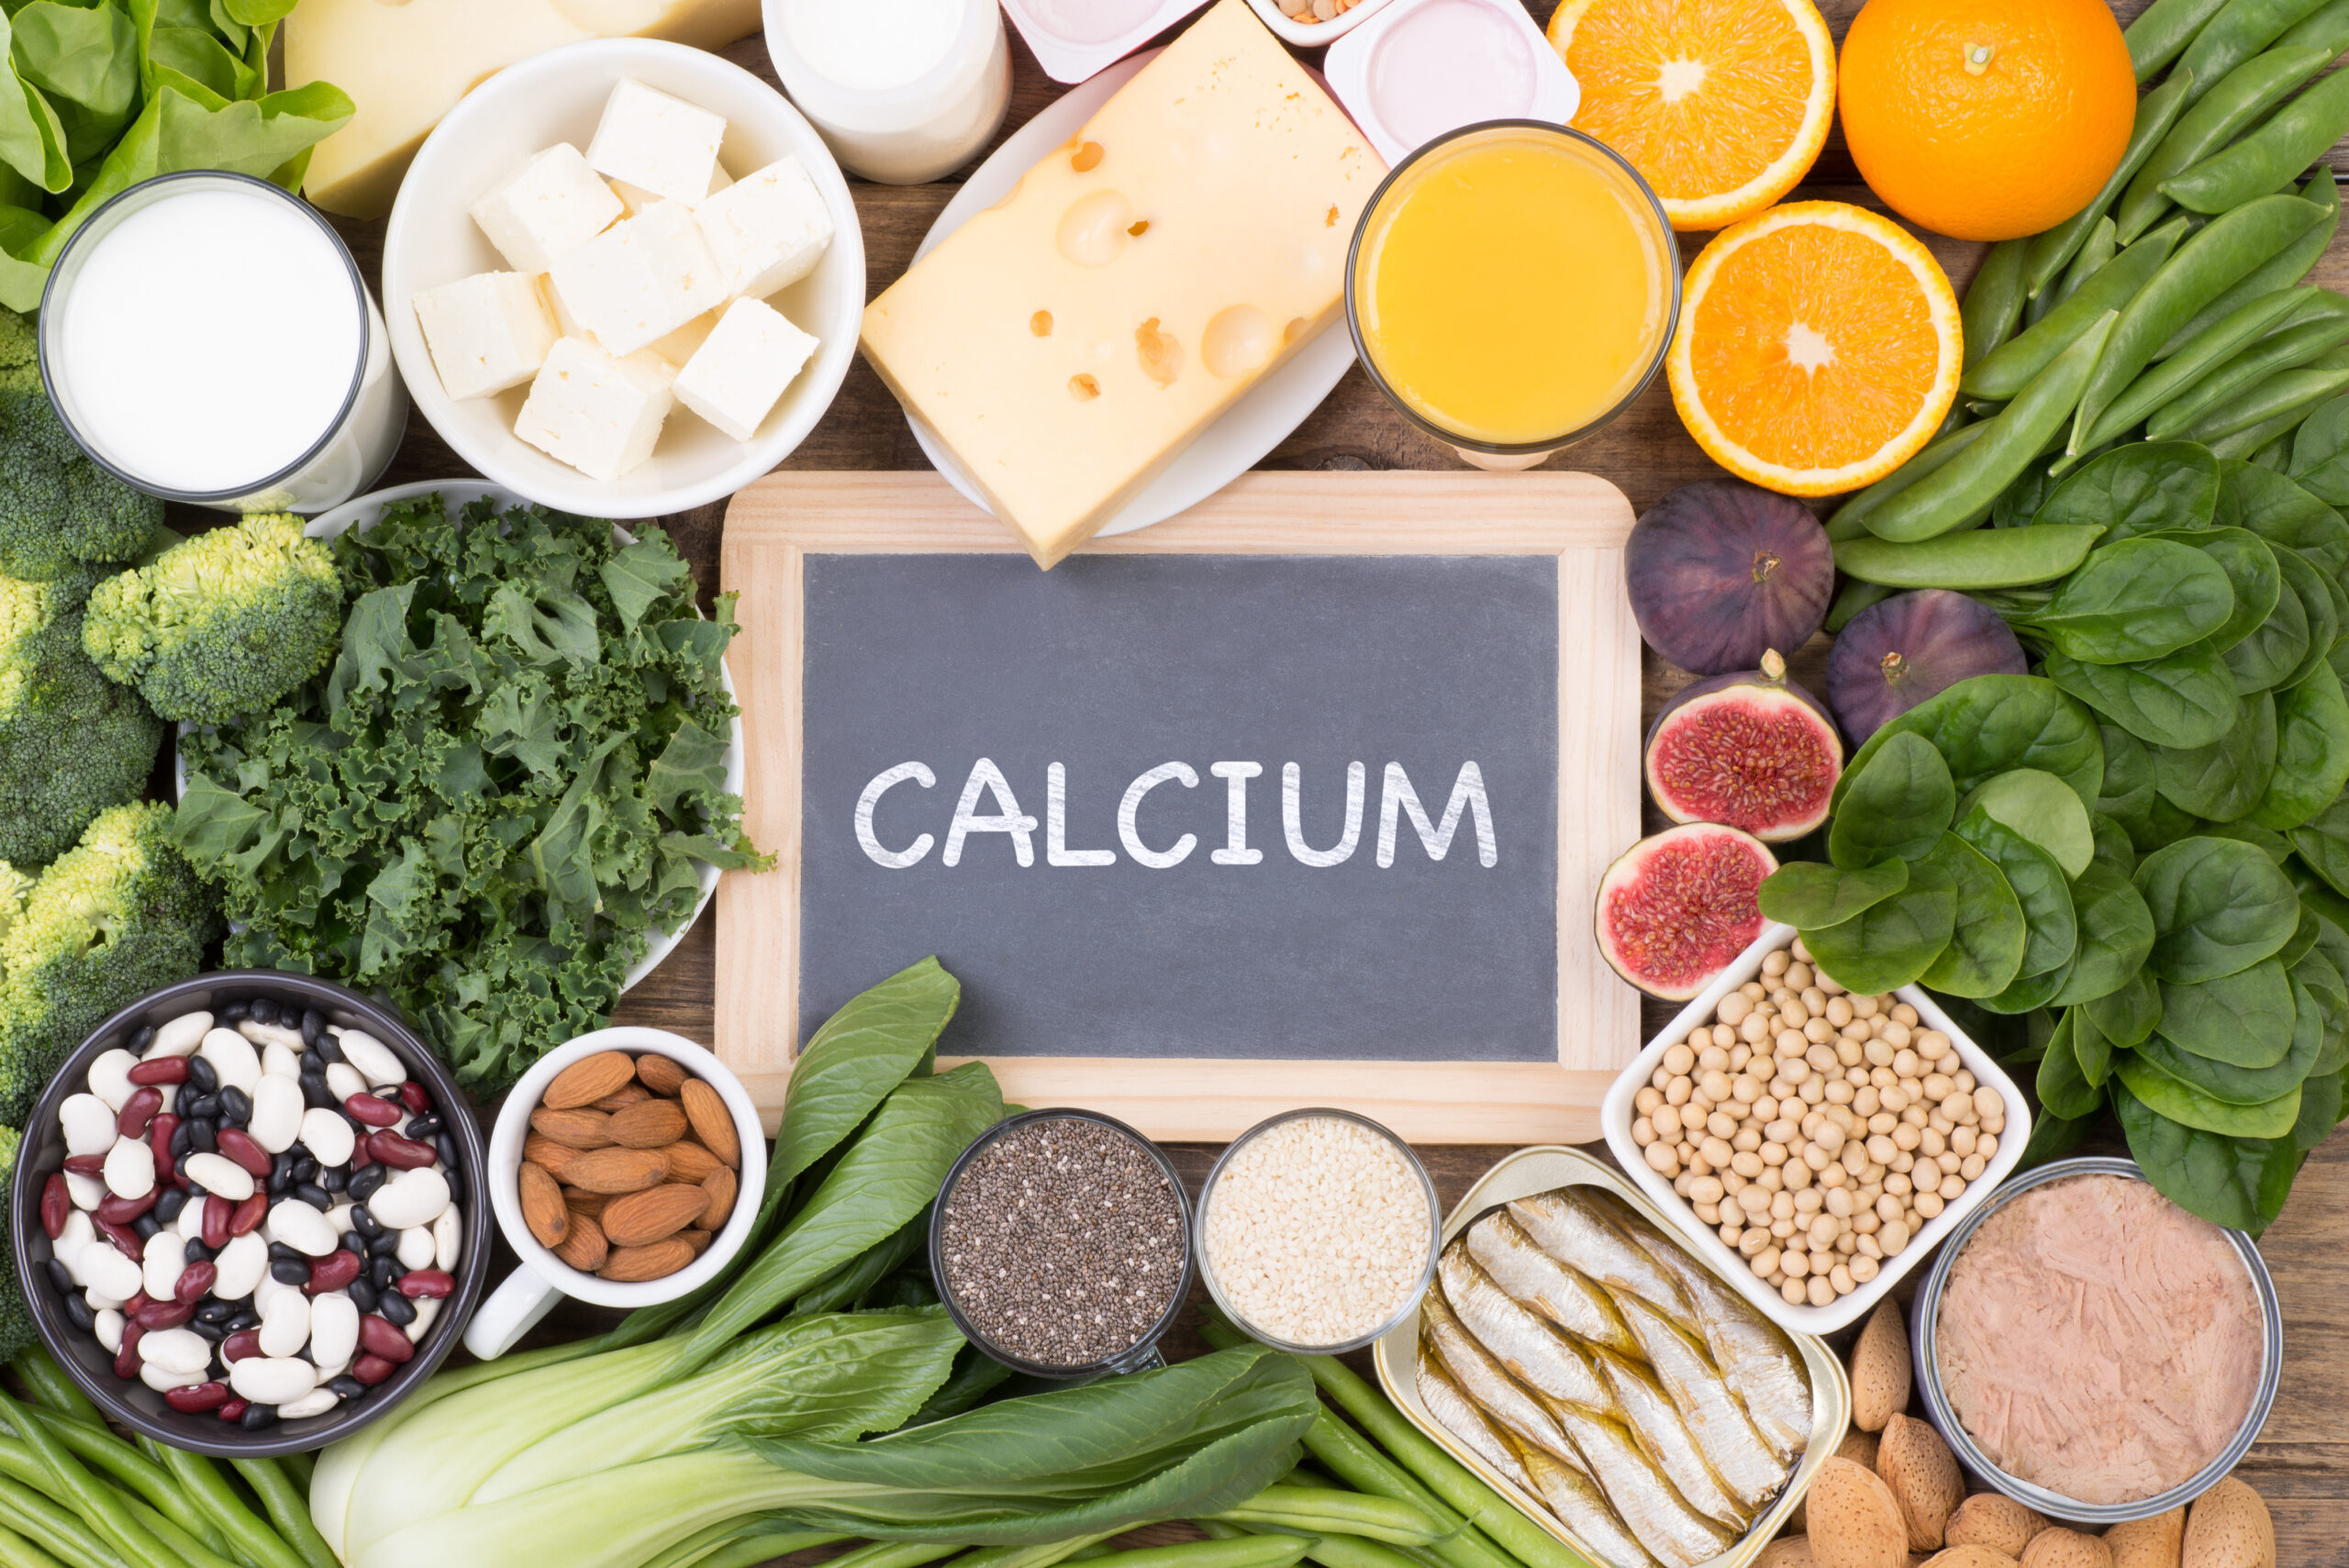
903	91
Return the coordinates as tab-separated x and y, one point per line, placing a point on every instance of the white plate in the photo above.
362	515
1228	447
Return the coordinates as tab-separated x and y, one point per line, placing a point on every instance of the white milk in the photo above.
902	91
209	339
872	44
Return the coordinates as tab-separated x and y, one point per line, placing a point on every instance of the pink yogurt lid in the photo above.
1420	68
1075	38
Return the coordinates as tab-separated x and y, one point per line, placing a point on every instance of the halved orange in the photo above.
1818	347
1720	104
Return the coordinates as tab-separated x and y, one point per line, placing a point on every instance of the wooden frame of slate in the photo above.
1579	522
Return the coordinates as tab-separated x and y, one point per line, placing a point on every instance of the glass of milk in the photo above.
207	337
902	91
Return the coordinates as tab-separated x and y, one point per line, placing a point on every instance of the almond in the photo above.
546	1153
584	1248
1996	1521
689	1161
713	1123
639	1219
579	1200
1880	1371
1971	1555
2062	1548
660	1073
587	1080
2229	1527
617	1170
576	1128
2156	1542
698	1241
542	1209
633	1265
1854	1520
721	1186
1786	1552
1924	1476
627	1094
648	1124
1857	1446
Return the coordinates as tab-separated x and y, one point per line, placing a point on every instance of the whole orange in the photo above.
1986	119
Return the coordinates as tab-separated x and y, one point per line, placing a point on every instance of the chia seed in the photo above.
1063	1242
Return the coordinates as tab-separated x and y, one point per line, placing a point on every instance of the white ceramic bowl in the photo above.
1617	1113
1310	35
558	97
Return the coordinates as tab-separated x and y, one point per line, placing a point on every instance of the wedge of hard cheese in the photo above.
1070	341
407	64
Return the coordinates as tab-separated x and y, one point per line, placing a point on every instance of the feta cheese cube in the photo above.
486	333
641	279
768	231
734	379
553	207
682	345
663	144
636	198
566	324
599	414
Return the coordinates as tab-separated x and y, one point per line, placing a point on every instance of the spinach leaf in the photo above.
2315	592
2311	751
2018	502
2240	1183
2128	766
2284	513
2088	1044
2141	488
2317	973
2128	1013
2304	935
2225	779
2322	843
2320	463
2234	1085
2064	1088
2116	933
2273	648
2244	1018
2266	840
1807	893
2250	569
2042	809
2039	884
2219	906
1988	724
2184	698
2028	994
2320	1111
1891	944
1899	804
2138	599
2182	1102
2052	1138
2112	841
1987	938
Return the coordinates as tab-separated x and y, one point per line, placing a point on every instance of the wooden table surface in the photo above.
2301	1461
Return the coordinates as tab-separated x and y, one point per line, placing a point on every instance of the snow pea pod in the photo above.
2237	33
2284	268
2212	347
2296	344
2163	29
2203	268
2006	371
2157	112
1850	520
1994	300
2327	28
2243	443
1978	558
1966	485
2301	388
2256	84
2295	137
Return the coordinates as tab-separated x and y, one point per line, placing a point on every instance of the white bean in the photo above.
285	1325
327	1135
99	1301
220	1175
166	1255
302	1228
88	1123
270	1034
233	1058
372	1057
272	1380
277	1115
78	1233
415	1251
280	1061
412	1197
87	1191
178	1349
334	1329
329	1371
109	1328
448	1235
180	1036
170	1096
427	1309
110	1078
343	1081
316	1402
104	1269
267	1290
240	1266
130	1168
339	1217
191	1221
162	1381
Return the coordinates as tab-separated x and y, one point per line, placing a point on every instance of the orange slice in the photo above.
1720	104
1818	347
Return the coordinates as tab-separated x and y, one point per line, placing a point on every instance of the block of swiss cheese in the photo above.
1070	341
406	64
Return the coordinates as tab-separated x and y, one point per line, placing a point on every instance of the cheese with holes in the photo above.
1068	342
406	64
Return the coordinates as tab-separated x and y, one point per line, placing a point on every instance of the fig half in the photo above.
1721	572
1912	647
1752	749
1678	907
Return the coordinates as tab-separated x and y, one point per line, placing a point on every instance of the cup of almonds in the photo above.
625	1169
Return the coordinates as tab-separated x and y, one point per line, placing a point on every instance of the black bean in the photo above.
329	1047
245	1319
351	1241
315	1096
283	1251
383	1243
314	1024
79	1313
455	1178
60	1276
396	1309
422	1127
317	1196
362	1292
197	1252
311	1061
215	1333
362	1220
265	1010
445	1145
281	1175
334	1178
236	1105
146	1225
216	1312
206	1134
257	1416
206	1105
232	1015
382	1272
183	1140
168	1206
202	1076
295	1272
305	1169
141	1041
345	1386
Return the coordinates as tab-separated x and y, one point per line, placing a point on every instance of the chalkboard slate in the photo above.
1172	813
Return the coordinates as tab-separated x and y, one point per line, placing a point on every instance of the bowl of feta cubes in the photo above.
623	278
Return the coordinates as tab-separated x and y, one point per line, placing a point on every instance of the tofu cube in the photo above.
553	207
651	139
599	414
486	333
768	231
636	198
735	377
641	279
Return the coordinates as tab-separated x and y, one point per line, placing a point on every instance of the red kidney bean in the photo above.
161	1070
372	1109
137	1111
164	1315
194	1281
217	1213
438	1284
413	1096
87	1165
377	1336
125	1238
138	1299
56	1205
238	1145
332	1272
233	1411
242	1343
196	1400
126	1360
158	1138
401	1153
372	1370
248	1215
123	1210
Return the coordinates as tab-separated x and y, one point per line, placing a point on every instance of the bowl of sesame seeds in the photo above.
1317	1231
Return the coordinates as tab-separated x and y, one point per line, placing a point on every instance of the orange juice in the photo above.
1513	285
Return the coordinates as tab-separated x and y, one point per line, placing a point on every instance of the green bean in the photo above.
2302	387
2277	351
47	1382
289	1511
1354	1461
2009	369
1850	520
2051	251
1994	300
1333	1549
2258	83
1980	557
16	1551
186	1550
2203	268
2211	347
897	1553
130	1469
33	1513
2285	268
1381	1518
1850	599
298	1468
2237	33
1243	1552
2295	136
1030	1556
84	1493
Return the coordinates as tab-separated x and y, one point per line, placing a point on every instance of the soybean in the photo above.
2302	389
1994	300
2256	84
2284	268
2211	347
1850	520
2163	29
2005	372
2156	111
2237	33
2296	343
2280	150
1965	487
1980	557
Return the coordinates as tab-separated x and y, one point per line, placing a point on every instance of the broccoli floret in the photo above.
71	742
111	919
16	1330
56	509
222	625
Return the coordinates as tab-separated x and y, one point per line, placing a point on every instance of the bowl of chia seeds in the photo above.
1061	1242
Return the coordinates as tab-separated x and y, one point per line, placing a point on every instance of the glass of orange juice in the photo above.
1512	288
